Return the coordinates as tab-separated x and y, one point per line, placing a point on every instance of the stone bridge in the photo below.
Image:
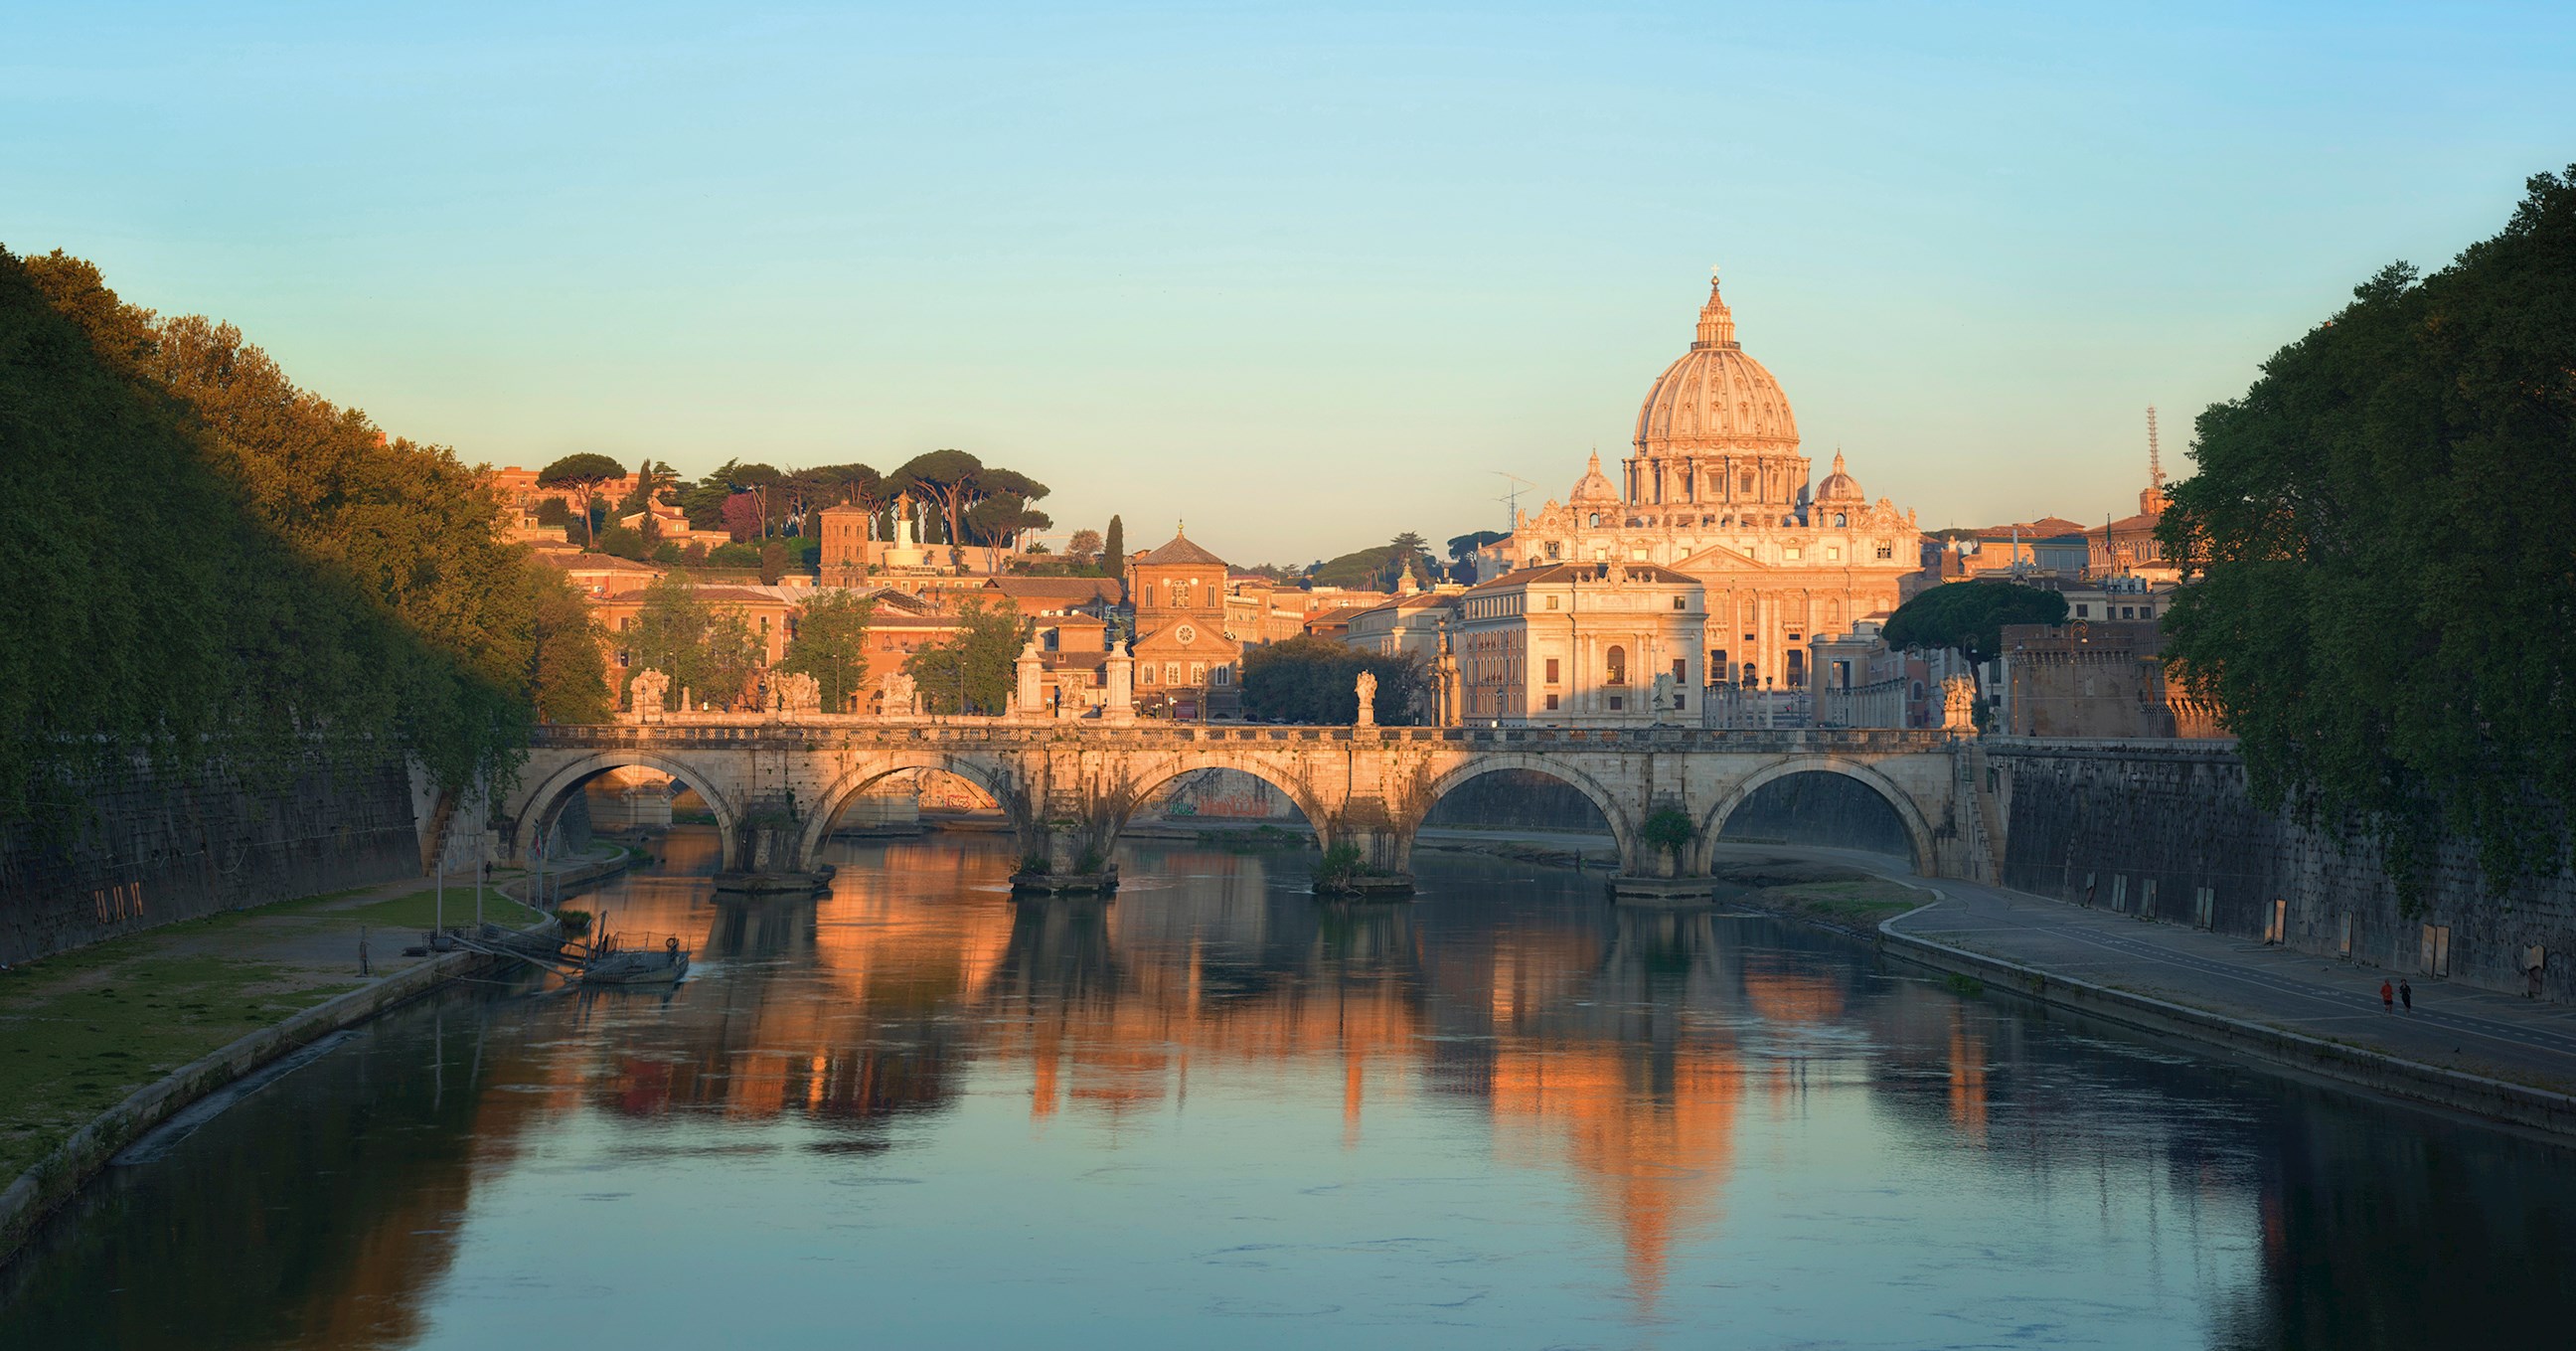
776	785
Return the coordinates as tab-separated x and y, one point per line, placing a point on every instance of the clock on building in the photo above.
1186	634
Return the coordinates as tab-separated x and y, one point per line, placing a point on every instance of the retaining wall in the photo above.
158	850
2144	826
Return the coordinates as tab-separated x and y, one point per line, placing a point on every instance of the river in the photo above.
1215	1112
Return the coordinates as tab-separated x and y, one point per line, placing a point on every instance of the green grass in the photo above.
1864	900
414	911
80	1032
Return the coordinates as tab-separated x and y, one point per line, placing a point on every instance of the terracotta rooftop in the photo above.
1585	572
1179	550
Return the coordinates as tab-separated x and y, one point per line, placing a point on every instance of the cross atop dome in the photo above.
1716	322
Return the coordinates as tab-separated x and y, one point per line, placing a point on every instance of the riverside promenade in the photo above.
2467	1049
101	1044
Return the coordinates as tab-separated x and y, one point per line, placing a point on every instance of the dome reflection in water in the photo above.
1215	1111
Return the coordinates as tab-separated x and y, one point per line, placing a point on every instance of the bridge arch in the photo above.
1149	776
1918	832
995	778
540	804
1623	829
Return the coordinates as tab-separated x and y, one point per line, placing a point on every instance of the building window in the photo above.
1618	702
1790	553
1887	551
1797	674
1551	671
1551	602
1198	673
1636	553
1147	671
1596	520
1223	675
1834	552
1616	660
1747	484
1171	673
2084	612
1554	549
1681	670
1717	667
1551	703
1840	520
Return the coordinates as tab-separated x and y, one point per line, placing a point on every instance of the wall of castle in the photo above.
158	849
2167	830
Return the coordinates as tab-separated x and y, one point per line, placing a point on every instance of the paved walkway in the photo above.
2453	1027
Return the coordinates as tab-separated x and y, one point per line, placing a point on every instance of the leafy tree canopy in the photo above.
1970	616
977	663
1316	681
582	473
831	645
2386	602
708	651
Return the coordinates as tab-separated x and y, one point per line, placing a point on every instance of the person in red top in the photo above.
2387	996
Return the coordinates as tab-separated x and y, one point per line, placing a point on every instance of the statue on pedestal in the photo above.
649	688
1367	686
1959	704
799	693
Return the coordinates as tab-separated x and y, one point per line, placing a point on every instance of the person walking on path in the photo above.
2387	997
2406	992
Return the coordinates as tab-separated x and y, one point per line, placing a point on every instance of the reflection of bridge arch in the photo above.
1144	779
1918	833
996	780
1622	830
540	804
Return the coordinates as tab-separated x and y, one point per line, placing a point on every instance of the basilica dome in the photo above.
1839	486
1595	486
1715	399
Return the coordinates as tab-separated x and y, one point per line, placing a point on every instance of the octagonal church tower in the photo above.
1717	488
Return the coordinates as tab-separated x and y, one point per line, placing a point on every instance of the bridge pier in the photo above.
1066	845
1368	851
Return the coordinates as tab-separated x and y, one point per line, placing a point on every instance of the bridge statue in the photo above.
895	694
1959	704
1665	690
649	688
799	693
1367	686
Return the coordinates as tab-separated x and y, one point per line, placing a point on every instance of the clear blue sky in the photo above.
1301	275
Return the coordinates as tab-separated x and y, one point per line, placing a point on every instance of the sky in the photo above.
1304	276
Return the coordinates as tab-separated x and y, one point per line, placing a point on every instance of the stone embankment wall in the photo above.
158	850
2158	828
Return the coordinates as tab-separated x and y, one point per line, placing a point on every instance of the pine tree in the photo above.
1113	550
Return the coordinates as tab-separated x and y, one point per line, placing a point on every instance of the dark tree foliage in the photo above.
1970	616
976	664
311	586
831	645
582	473
1316	681
2384	531
1113	549
708	651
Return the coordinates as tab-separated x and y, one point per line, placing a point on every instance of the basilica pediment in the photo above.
1718	556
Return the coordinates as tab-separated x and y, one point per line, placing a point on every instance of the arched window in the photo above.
1840	520
1596	520
1617	660
1747	483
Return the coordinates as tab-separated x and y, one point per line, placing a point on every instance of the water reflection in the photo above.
1214	1106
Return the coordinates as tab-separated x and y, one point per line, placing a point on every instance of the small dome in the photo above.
1839	486
1595	486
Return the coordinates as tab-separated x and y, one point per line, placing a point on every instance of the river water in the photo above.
1214	1112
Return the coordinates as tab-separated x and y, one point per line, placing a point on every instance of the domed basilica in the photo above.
1718	490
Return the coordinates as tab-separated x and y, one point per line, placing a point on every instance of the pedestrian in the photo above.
2406	992
2387	997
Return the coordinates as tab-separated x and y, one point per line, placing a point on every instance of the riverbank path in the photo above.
2453	1027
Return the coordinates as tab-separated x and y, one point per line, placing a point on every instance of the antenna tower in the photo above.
1511	498
2155	458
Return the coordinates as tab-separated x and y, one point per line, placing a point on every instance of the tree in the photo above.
567	672
619	541
708	650
831	645
1970	616
1113	550
997	523
977	663
1315	681
773	562
2385	610
1083	549
742	517
1463	548
652	483
582	473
